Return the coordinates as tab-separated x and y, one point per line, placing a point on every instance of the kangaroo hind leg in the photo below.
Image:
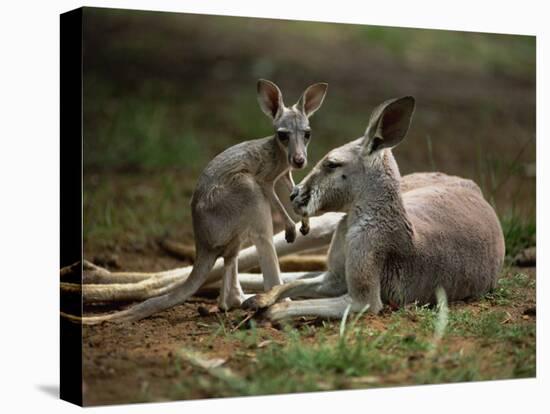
326	308
319	285
267	256
231	293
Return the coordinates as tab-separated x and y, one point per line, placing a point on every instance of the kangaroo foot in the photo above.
232	301
263	300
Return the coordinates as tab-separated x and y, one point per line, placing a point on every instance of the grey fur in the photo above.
401	238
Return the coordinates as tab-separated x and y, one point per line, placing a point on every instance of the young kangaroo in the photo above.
232	202
391	246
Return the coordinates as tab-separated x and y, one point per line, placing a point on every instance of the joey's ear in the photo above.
312	98
270	98
389	124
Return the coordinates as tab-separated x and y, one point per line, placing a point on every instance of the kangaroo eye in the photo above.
307	134
283	135
332	165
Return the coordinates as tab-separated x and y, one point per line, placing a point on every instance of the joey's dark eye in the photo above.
307	134
283	135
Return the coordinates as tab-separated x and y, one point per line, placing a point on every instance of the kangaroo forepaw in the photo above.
304	229
290	234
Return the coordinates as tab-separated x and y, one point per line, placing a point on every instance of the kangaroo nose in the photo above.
299	160
295	192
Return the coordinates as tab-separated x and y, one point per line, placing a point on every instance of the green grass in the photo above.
370	358
508	289
160	92
129	210
139	131
519	232
510	55
479	343
328	363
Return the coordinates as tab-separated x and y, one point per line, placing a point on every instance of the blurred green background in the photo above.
165	92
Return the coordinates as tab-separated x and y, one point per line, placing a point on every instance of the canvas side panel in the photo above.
71	196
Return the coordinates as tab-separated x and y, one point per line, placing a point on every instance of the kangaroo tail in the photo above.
179	294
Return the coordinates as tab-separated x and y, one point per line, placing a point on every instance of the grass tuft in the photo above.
519	232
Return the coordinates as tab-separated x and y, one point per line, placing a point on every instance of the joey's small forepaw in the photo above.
290	235
304	229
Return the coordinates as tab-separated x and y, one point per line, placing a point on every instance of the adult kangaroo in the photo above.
390	247
232	202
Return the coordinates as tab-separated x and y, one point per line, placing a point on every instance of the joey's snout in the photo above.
298	161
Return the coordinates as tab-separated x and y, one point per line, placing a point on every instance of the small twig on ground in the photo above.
241	323
213	367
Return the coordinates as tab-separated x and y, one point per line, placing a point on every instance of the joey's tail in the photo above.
179	294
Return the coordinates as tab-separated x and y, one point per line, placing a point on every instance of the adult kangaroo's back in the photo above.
458	243
392	246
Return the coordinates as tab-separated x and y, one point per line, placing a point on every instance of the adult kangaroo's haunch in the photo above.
232	201
391	246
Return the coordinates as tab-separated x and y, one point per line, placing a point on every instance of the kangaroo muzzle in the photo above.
300	200
298	161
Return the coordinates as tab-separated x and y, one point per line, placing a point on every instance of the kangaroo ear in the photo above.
389	124
270	98
312	98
